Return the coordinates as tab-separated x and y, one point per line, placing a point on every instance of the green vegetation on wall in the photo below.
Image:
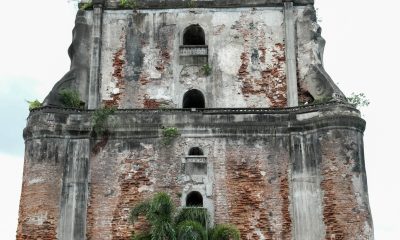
169	134
70	98
86	6
34	104
207	69
99	120
131	4
358	100
191	4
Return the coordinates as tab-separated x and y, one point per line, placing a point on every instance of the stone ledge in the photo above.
141	123
298	109
171	4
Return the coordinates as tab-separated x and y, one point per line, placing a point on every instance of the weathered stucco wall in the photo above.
305	181
141	66
275	172
39	211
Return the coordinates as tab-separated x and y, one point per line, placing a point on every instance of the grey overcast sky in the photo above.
361	54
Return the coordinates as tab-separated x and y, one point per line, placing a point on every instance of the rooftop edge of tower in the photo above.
168	4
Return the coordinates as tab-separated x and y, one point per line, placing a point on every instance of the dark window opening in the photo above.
195	151
194	35
193	99
194	199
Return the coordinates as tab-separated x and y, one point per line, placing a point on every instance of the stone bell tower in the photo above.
261	136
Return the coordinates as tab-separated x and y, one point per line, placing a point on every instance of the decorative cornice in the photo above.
176	4
49	122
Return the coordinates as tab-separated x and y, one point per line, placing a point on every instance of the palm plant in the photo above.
224	232
159	212
186	224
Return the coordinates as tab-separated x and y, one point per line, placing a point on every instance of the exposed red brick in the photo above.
256	204
287	220
342	215
129	183
245	63
118	75
40	198
100	144
151	103
272	84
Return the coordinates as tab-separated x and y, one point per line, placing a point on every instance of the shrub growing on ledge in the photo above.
70	98
132	4
34	104
207	69
86	6
169	134
358	100
191	4
99	119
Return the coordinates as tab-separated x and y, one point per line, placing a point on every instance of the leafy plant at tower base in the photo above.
225	232
166	223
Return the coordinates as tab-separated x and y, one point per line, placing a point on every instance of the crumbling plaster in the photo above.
245	48
276	174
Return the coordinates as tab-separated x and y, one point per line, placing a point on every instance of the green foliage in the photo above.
199	215
191	230
225	232
99	119
132	4
159	212
70	98
188	223
169	134
207	69
141	236
34	104
358	100
191	4
86	6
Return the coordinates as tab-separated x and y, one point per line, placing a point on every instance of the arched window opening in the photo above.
193	99
195	151
194	35
194	199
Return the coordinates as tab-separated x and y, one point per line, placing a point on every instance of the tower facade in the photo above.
223	104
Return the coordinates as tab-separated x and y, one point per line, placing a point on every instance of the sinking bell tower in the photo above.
224	105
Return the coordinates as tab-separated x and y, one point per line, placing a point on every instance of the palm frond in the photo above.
224	232
193	214
162	205
141	236
191	230
140	209
162	230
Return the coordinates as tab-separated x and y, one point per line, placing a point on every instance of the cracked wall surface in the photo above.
274	182
274	172
245	53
